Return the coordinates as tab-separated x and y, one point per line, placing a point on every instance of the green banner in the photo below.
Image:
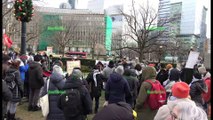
50	24
155	28
108	31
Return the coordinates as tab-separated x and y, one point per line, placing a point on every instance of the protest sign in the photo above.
192	59
72	64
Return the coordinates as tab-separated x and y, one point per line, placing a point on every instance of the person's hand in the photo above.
105	103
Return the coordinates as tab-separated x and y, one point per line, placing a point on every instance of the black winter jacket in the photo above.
196	89
162	76
35	75
17	92
6	96
95	89
56	84
72	83
115	111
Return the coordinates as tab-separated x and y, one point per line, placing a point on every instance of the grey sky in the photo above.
56	3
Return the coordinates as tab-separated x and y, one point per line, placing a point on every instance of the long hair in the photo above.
15	64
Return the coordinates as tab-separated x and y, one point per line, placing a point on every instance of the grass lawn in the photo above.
24	114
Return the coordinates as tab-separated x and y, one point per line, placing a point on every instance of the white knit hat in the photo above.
120	70
202	70
57	69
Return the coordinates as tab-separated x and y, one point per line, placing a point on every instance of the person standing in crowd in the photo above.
162	74
107	71
6	92
56	83
133	84
100	66
169	67
117	88
23	68
51	61
206	76
197	87
82	107
35	82
138	74
13	76
46	59
145	112
95	80
180	106
173	77
44	65
116	111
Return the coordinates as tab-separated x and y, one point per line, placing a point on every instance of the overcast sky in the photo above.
56	3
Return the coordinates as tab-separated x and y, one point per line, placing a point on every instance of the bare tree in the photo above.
95	36
139	23
63	38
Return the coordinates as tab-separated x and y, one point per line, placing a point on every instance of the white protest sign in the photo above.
105	63
71	65
192	59
49	50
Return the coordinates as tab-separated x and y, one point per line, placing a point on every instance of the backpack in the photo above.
10	80
71	103
157	95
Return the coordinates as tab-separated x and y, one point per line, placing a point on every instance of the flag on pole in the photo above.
7	41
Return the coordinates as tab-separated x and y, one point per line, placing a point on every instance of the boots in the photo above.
12	117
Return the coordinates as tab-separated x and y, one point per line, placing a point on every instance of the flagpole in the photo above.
23	37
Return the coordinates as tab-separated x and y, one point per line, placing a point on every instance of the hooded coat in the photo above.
117	89
76	83
95	80
35	75
133	83
123	112
143	111
17	92
197	87
173	77
6	96
56	83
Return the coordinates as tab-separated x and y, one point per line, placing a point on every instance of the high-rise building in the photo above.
190	27
73	3
65	6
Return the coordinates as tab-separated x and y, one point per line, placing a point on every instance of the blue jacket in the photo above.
117	89
23	70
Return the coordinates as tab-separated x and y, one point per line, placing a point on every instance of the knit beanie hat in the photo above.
180	90
202	70
120	70
76	73
57	69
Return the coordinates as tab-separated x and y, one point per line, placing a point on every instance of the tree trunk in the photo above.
93	51
141	57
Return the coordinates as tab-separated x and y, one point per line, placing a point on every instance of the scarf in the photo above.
96	72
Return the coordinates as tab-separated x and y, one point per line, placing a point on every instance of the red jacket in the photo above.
207	96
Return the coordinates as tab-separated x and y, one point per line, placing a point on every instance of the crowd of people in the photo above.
131	91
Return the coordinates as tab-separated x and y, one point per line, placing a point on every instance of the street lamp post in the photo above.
160	52
23	38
